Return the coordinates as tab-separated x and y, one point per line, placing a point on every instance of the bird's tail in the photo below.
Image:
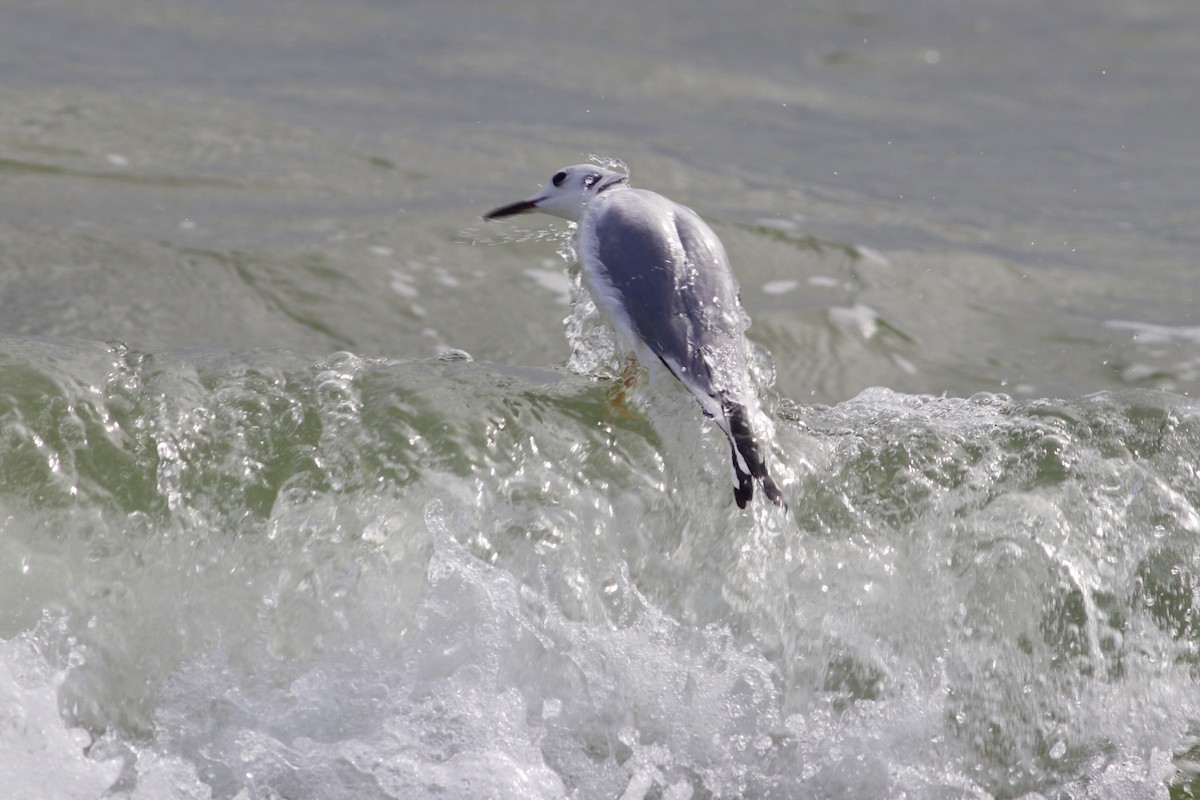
748	462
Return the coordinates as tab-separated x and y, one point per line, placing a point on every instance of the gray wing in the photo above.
675	284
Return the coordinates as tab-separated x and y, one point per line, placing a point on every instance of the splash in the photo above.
348	576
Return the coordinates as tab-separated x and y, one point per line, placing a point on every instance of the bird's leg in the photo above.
630	371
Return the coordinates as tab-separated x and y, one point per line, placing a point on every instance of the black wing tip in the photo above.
771	490
743	441
743	493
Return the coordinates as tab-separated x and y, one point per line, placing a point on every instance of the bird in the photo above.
661	279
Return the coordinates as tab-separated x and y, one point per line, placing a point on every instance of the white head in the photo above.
567	193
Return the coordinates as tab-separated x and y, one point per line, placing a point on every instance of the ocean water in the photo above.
311	485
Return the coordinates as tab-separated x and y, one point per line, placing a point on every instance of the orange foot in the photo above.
629	375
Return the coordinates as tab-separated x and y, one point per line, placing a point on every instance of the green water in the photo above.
310	485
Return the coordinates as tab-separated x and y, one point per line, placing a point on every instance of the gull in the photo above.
661	279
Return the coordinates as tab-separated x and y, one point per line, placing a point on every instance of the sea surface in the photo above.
312	486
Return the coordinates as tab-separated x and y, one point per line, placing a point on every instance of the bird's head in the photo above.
567	193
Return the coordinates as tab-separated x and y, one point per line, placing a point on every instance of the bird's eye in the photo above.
558	178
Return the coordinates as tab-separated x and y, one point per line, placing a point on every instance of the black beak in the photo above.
516	208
